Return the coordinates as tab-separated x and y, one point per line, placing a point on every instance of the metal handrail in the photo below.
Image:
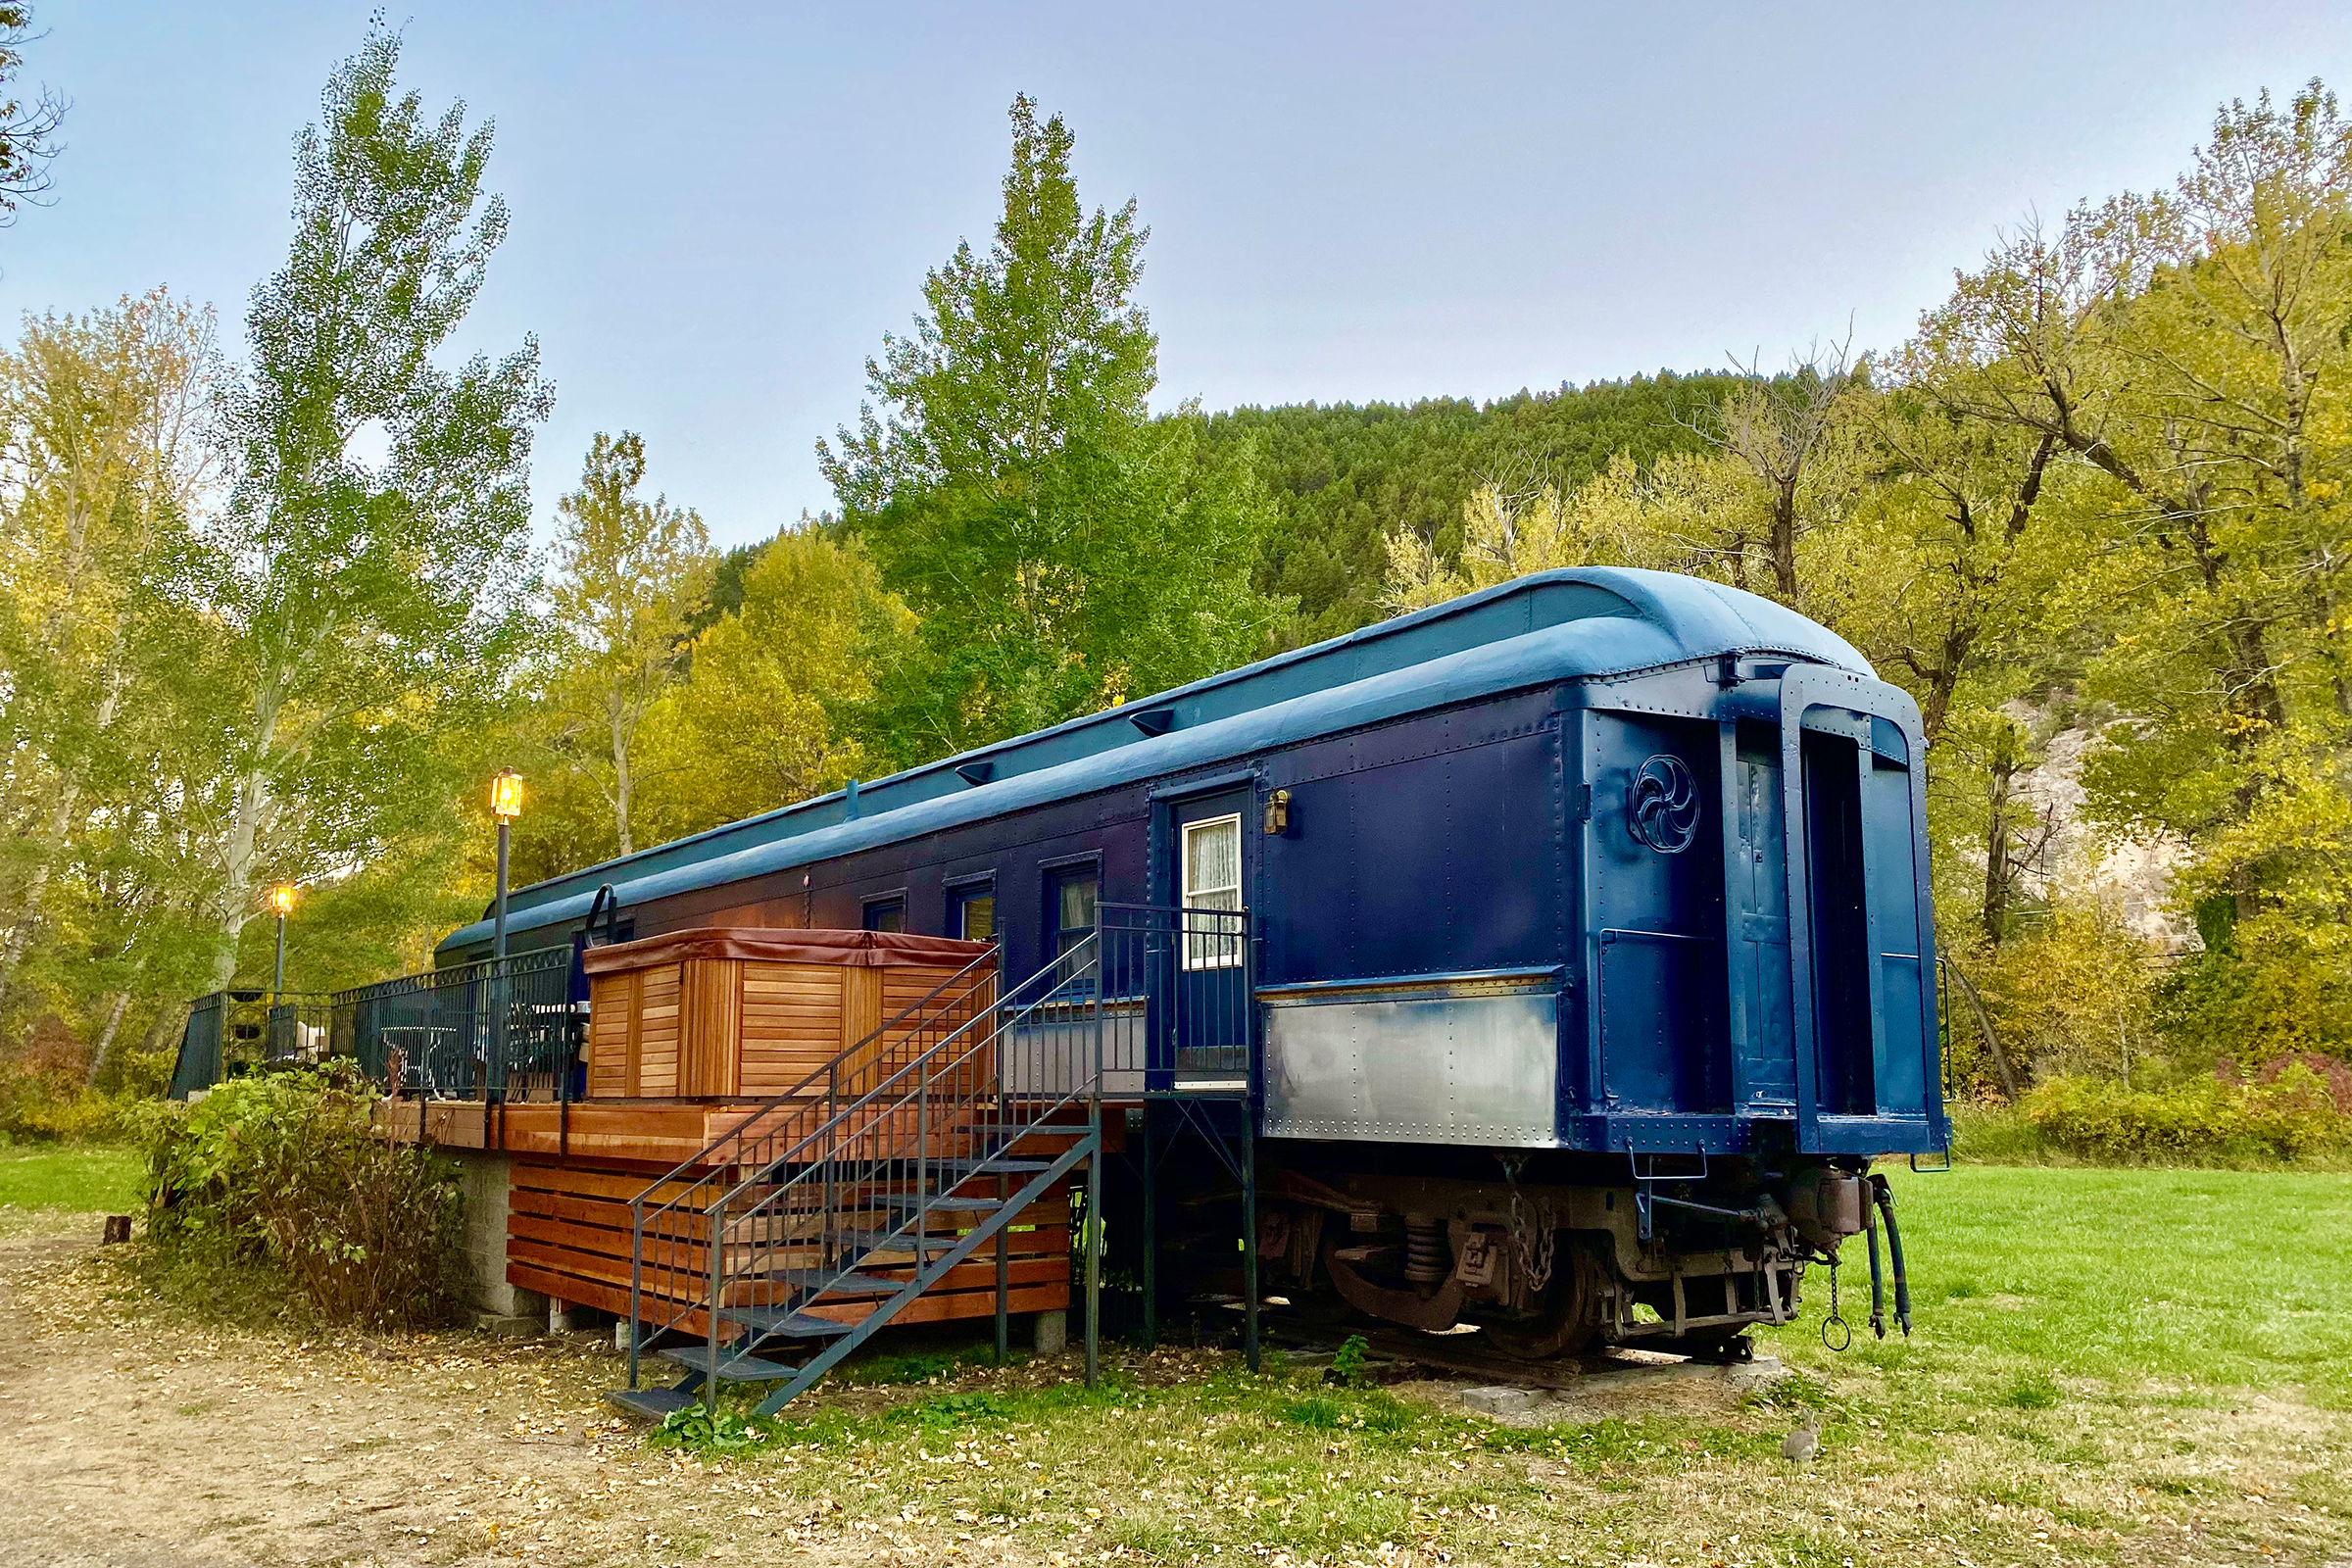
799	1112
798	1093
857	1148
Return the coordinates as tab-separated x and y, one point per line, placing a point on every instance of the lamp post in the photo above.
281	905
506	803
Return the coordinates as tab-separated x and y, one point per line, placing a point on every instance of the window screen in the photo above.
1213	882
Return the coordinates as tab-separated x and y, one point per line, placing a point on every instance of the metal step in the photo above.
777	1322
891	1242
937	1206
819	1279
733	1365
992	1166
652	1403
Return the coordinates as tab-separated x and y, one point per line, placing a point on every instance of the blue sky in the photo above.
719	209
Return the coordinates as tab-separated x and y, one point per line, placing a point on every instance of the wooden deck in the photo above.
577	1169
567	1237
659	1134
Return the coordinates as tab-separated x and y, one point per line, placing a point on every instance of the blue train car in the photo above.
1592	949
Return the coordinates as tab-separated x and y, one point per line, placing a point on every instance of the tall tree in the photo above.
108	455
768	712
636	574
1794	436
1061	546
27	130
370	571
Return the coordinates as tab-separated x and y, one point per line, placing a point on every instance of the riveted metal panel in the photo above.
1456	1068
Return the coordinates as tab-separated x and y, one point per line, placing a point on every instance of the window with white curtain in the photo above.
1212	880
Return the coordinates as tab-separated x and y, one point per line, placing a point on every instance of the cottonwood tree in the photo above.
770	711
108	456
1794	436
369	572
635	573
1061	548
27	129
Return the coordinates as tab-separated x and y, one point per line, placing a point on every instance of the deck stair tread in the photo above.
734	1366
899	1241
655	1403
940	1205
777	1322
992	1166
835	1279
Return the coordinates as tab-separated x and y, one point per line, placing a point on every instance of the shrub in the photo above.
286	1169
2288	1117
43	1097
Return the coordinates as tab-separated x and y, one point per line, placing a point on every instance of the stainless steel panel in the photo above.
1051	1050
1443	1069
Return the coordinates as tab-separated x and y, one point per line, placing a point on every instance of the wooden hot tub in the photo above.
744	1012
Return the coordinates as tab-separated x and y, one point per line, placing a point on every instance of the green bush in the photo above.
2290	1117
35	1111
1991	1133
285	1169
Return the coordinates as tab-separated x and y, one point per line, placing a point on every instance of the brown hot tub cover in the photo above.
851	950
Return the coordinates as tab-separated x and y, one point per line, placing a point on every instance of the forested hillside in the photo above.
1347	475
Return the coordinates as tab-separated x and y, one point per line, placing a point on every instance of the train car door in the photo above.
1206	975
1861	943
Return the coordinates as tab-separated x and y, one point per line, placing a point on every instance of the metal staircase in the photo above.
788	1241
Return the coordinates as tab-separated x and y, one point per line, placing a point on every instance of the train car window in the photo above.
976	915
886	915
1212	880
1070	896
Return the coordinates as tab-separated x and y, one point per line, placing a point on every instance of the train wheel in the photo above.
1571	1311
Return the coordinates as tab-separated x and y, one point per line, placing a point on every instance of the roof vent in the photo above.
976	773
1153	720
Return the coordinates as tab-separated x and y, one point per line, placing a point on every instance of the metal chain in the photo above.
1536	1257
1846	1333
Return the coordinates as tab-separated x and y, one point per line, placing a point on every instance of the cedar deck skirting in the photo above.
568	1214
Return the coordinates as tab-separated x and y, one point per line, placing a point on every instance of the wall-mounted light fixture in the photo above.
1277	813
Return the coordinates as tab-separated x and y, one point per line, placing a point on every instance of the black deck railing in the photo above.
881	1172
503	1029
231	1033
498	1029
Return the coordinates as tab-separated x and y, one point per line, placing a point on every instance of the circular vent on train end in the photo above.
1661	807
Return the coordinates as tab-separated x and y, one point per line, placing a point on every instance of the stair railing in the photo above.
890	1159
668	1218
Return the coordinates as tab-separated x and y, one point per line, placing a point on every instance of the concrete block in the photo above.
483	1176
1051	1330
1500	1402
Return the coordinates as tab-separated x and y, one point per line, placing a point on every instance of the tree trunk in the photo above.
620	776
106	1037
1783	539
235	908
1992	1041
1999	791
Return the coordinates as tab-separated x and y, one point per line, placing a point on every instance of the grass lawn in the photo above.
78	1179
2109	1366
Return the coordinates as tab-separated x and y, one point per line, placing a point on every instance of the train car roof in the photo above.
1577	623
